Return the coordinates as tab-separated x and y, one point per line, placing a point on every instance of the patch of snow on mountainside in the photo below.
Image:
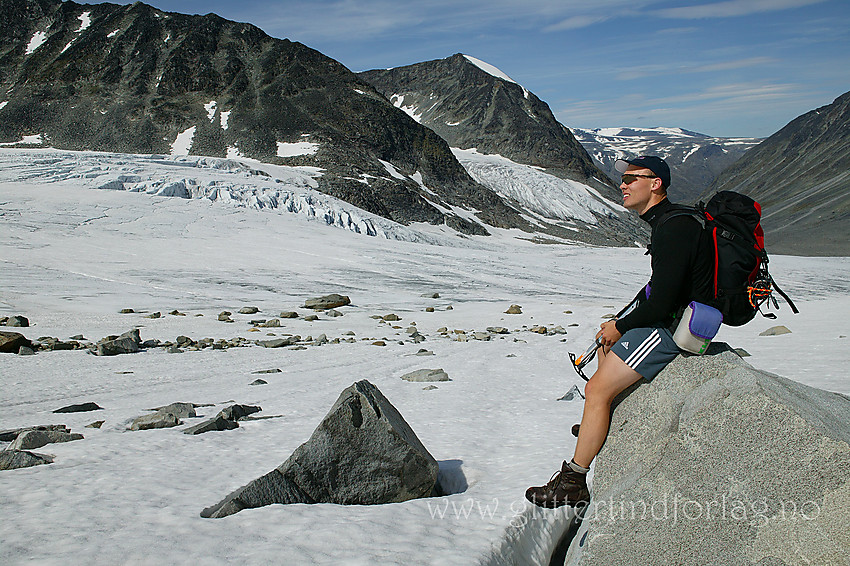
410	110
536	190
495	71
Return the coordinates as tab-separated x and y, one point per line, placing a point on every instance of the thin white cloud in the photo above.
644	71
576	22
732	8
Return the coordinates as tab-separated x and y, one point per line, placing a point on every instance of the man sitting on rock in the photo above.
641	341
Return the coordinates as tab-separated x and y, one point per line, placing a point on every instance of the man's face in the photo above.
637	194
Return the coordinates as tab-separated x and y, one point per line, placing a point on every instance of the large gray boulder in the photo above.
14	459
362	453
32	439
226	419
716	462
159	419
331	301
128	343
11	342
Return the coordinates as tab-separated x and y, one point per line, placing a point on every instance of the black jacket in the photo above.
682	258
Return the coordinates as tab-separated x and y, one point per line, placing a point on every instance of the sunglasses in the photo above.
630	178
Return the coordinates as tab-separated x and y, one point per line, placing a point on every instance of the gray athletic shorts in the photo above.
646	350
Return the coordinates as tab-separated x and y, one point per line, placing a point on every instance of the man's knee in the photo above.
612	378
598	389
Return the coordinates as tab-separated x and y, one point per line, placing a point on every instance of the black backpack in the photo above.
741	281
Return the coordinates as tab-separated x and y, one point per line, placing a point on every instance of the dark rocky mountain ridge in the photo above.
801	177
473	105
472	108
131	78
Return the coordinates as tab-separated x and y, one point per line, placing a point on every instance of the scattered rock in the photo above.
280	342
249	310
11	342
425	375
12	434
573	394
311	317
514	309
50	343
362	453
429	309
273	323
333	313
259	382
155	420
429	388
126	311
742	352
95	424
127	343
289	314
177	313
379	343
262	371
392	317
81	408
224	316
450	308
179	410
497	330
239	412
154	315
17	321
217	423
26	351
14	459
32	439
327	302
775	331
226	419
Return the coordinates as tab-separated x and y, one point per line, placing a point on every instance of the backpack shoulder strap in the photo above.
694	212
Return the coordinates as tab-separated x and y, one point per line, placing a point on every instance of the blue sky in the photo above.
723	68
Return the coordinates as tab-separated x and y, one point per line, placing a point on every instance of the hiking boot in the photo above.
566	487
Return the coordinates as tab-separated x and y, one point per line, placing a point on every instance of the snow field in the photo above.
71	257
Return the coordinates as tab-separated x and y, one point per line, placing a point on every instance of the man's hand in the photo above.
608	334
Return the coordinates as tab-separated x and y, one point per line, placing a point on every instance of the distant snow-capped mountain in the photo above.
695	159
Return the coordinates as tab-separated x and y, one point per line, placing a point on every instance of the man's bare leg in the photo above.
611	378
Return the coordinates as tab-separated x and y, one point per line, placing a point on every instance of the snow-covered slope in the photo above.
72	256
537	191
695	159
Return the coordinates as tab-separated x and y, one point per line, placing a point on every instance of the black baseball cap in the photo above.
651	162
